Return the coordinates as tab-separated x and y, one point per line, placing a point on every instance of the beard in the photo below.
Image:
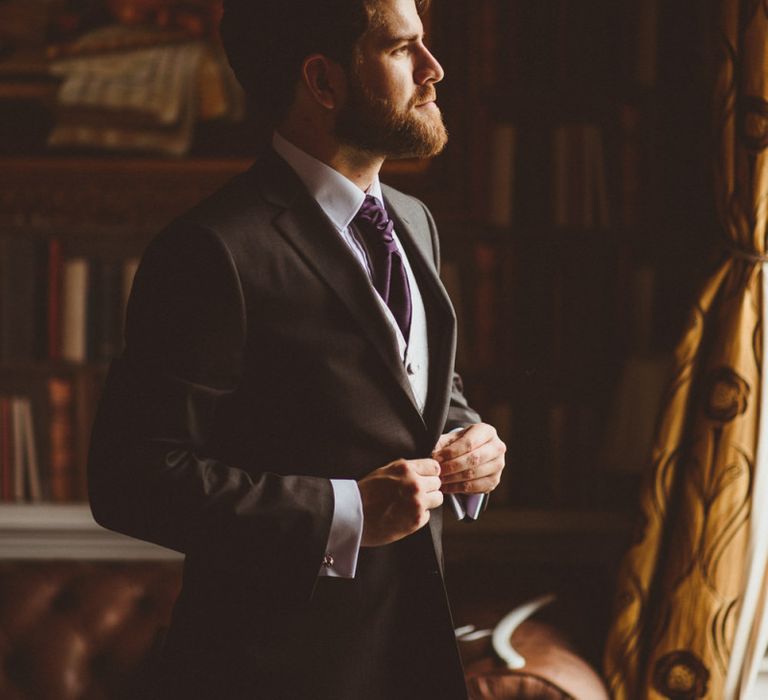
373	124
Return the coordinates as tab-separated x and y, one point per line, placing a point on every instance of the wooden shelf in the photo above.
68	531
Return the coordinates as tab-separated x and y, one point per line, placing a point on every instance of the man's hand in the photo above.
397	499
471	460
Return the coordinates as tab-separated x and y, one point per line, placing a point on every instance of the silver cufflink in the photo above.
327	561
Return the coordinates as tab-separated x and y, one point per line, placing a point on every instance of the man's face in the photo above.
390	108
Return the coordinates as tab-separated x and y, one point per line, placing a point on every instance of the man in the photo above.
285	412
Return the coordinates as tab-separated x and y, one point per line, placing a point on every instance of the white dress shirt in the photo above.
340	199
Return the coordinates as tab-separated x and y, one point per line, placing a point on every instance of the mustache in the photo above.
424	94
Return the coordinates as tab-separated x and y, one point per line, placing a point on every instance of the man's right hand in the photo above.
397	499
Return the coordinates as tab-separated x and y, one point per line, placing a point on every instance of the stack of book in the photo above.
580	189
45	422
576	183
58	307
140	89
19	467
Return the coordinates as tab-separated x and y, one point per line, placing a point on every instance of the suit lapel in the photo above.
441	323
302	222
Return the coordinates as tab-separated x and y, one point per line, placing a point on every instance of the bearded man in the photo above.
286	411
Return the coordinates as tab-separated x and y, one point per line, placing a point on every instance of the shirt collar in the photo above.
338	197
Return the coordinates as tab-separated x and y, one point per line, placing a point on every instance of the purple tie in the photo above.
388	270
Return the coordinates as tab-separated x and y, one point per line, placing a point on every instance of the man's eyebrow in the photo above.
402	39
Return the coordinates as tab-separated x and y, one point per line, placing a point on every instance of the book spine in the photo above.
18	292
54	299
485	307
503	144
32	471
18	449
630	166
61	438
559	176
96	305
6	447
74	310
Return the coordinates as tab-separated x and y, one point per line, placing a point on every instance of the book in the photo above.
54	298
579	184
629	166
560	205
18	449
74	309
108	311
642	290
31	464
84	399
144	99
21	471
599	176
61	439
647	40
636	404
485	310
19	297
502	185
6	449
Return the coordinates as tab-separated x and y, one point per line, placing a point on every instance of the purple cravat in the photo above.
389	276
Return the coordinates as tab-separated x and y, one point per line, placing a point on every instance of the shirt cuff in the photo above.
346	530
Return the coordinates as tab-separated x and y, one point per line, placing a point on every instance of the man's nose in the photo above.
429	69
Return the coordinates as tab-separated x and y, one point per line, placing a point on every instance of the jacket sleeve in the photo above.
149	475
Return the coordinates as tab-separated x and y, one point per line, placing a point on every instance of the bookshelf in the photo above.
554	296
102	212
572	281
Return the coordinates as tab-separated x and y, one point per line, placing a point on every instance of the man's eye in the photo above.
401	49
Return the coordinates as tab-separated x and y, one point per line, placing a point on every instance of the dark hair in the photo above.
267	41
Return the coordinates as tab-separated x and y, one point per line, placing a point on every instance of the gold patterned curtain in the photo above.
691	596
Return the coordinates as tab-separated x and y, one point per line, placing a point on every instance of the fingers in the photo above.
481	484
472	438
471	466
447	439
420	479
472	463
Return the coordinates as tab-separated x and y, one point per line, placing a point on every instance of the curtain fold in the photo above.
691	593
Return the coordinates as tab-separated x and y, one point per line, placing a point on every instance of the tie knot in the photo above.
372	214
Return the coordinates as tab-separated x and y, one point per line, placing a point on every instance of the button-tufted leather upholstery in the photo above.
91	630
81	630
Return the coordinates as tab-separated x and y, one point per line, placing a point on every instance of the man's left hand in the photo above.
471	460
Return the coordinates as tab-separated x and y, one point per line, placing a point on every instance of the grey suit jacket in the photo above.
258	364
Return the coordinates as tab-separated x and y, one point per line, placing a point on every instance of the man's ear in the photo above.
325	80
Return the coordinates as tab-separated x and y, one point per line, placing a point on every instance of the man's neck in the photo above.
358	166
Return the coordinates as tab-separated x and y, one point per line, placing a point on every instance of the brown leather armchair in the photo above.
81	630
91	630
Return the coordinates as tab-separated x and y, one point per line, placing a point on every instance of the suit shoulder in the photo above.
405	203
237	215
235	203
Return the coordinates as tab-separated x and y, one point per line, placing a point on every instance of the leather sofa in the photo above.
92	629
